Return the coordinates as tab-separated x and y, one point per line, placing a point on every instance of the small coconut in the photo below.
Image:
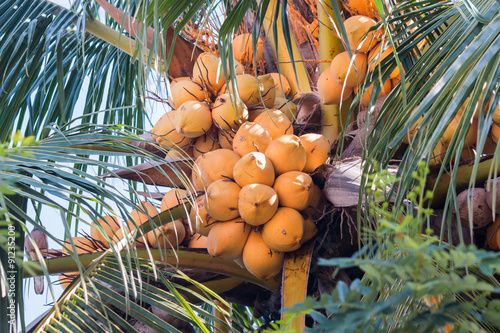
282	86
193	119
257	203
357	27
251	137
259	259
226	240
222	199
205	72
284	231
205	143
330	92
289	108
187	90
346	75
294	189
243	49
164	132
229	112
254	168
481	212
317	149
275	122
287	153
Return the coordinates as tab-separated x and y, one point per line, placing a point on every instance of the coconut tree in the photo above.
447	57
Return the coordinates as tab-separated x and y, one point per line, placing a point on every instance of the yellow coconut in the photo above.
217	164
164	132
201	221
251	137
109	224
269	94
173	198
452	128
254	168
250	89
198	242
294	189
275	122
199	185
255	112
205	143
229	112
226	240
226	139
287	107
386	89
376	56
259	259
169	235
82	244
222	199
285	230
310	229
140	215
330	92
187	90
361	7
193	119
282	86
317	148
243	49
346	74
287	153
357	27
492	233
257	203
205	72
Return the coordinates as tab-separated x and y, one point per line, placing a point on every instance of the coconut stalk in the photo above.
295	72
329	47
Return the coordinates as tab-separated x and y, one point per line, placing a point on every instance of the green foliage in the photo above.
411	282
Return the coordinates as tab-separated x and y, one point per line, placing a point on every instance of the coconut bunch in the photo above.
258	196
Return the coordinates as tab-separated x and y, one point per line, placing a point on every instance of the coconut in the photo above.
285	230
386	89
226	240
481	212
222	199
357	27
193	119
294	189
275	122
492	188
187	90
269	94
229	112
251	90
254	168
259	259
349	75
164	132
243	49
169	235
198	242
287	107
492	234
257	203
376	56
255	112
282	86
199	219
173	198
317	148
138	217
310	229
205	143
225	139
452	128
251	137
82	244
216	164
109	224
205	71
330	92
287	154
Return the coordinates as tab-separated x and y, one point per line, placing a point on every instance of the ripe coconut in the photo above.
243	49
289	108
452	128
222	199
492	188
294	189
492	233
82	244
225	139
251	137
205	143
198	242
217	164
481	212
226	240
269	95
259	259
317	148
346	74
205	71
250	89
199	185
310	229
109	225
287	154
330	92
386	89
193	119
169	235
376	56
257	203
284	231
187	90
255	112
275	122
164	132
199	219
254	168
357	27
173	198
229	112
361	7
141	215
282	86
